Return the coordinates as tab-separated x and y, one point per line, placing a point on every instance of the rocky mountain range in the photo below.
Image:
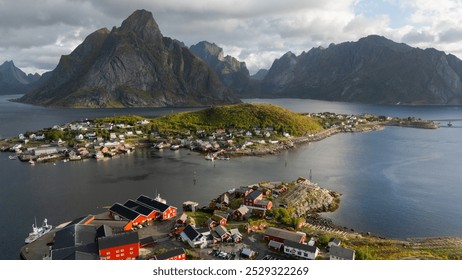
371	70
133	65
229	70
14	81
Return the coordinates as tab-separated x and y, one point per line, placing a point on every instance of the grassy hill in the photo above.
239	116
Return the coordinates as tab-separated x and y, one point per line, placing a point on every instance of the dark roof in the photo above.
80	220
103	230
221	230
83	252
169	254
335	240
203	230
191	232
253	195
138	207
262	202
124	212
119	239
74	235
343	253
147	241
153	203
304	247
284	234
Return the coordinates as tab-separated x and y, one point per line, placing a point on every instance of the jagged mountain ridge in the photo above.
229	70
371	70
131	66
14	81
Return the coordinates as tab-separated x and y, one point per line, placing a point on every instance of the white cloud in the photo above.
35	34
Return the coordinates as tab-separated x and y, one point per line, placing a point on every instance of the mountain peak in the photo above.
131	66
205	49
143	24
13	80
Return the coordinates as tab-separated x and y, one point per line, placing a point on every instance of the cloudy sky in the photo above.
35	33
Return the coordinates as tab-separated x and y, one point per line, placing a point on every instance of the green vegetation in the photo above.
287	217
199	217
240	116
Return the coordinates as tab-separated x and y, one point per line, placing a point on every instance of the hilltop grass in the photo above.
240	116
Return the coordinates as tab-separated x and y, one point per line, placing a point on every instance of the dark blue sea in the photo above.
398	182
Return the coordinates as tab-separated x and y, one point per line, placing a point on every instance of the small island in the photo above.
219	132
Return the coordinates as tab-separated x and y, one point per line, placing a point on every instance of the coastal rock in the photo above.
306	198
131	66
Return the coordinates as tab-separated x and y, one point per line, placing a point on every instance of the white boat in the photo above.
38	232
174	147
210	157
13	157
31	162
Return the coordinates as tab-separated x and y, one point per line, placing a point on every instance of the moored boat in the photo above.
38	232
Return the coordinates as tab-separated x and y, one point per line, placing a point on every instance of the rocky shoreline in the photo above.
292	142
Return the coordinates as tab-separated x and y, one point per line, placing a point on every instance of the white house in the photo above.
40	137
340	253
193	237
143	122
300	250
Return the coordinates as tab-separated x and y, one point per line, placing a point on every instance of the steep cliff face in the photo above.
14	81
229	70
372	70
131	66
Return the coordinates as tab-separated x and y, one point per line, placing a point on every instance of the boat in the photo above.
174	147
74	157
210	157
449	124
13	157
31	162
38	232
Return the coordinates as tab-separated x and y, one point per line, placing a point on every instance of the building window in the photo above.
108	253
121	250
117	251
117	255
122	254
305	254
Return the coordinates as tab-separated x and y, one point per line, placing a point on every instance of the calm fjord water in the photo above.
398	182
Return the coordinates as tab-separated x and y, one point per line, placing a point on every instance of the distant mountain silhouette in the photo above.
371	70
14	81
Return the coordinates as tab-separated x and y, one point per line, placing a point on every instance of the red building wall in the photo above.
169	213
181	257
128	226
250	202
129	251
140	219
